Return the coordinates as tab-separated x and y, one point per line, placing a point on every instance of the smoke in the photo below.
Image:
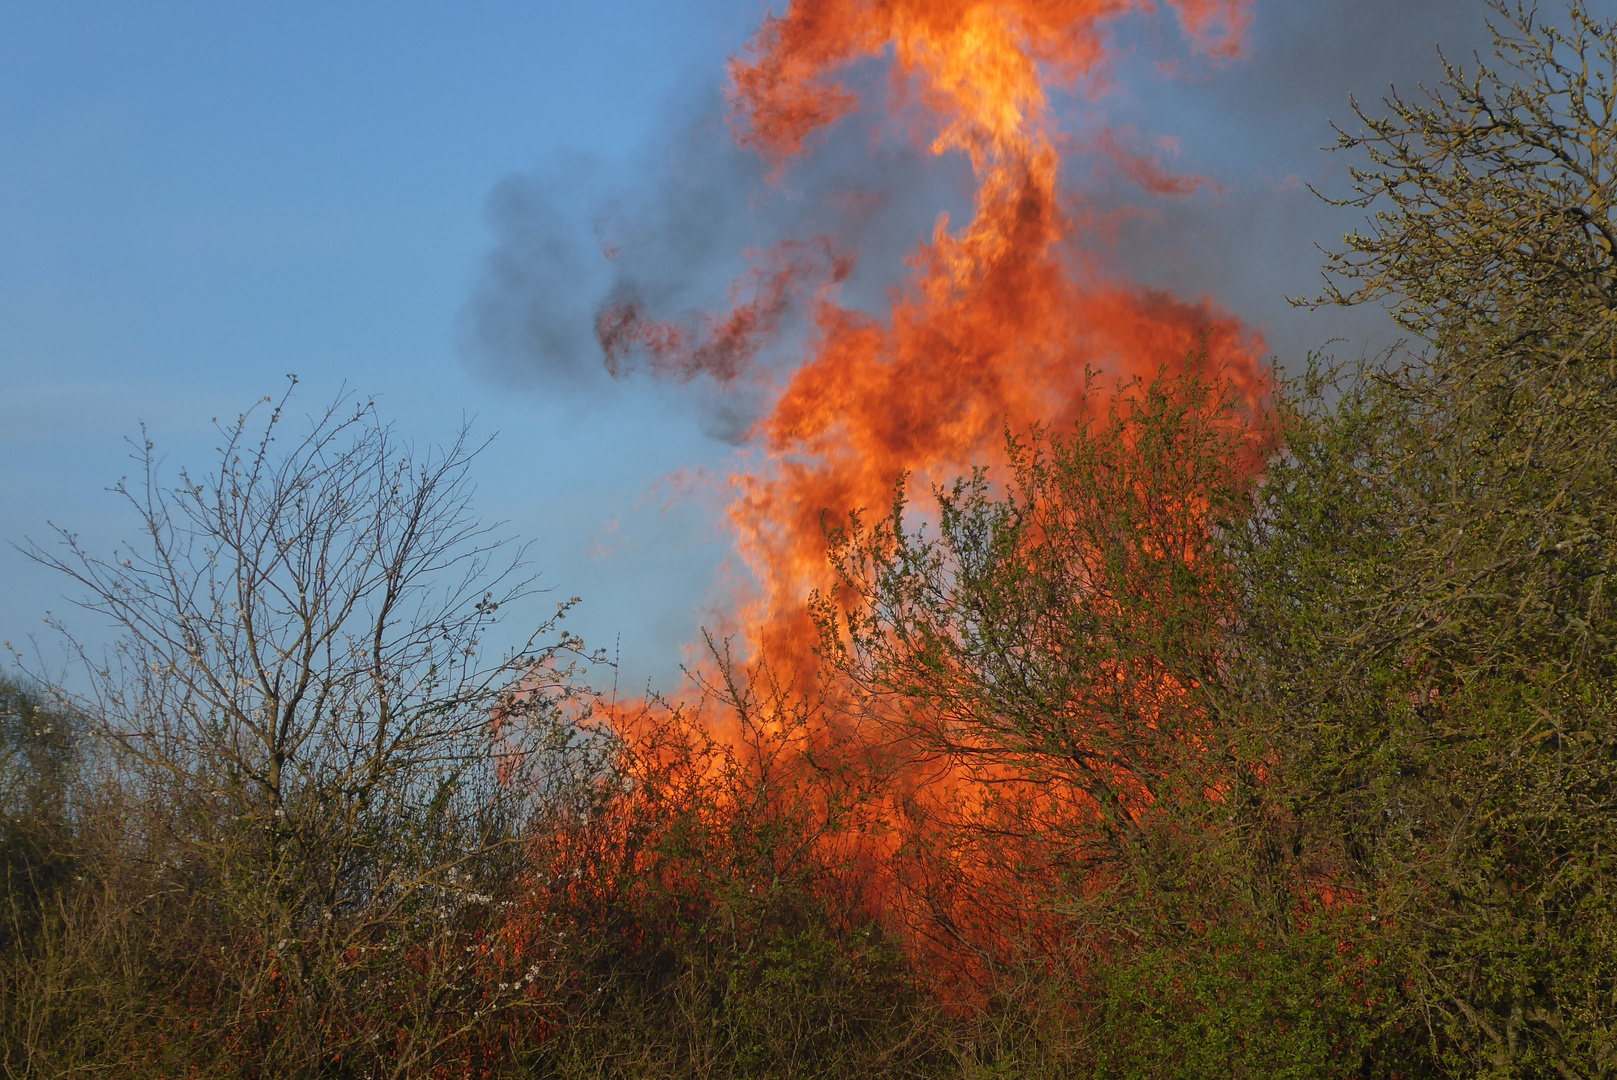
1233	144
592	262
1306	59
523	323
1259	127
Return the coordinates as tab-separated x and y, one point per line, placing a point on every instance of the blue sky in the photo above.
198	198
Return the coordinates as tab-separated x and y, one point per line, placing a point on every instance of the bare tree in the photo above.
300	690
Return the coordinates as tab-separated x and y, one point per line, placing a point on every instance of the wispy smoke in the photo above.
581	246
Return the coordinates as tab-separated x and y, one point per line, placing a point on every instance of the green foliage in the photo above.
38	753
1228	1002
809	1003
1484	464
1428	627
39	747
1494	194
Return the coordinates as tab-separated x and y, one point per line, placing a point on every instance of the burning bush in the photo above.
1211	725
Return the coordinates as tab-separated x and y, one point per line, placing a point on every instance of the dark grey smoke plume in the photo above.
671	232
666	233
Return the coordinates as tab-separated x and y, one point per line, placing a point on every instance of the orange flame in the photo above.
1001	317
1002	323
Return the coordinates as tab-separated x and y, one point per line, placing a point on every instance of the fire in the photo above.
1005	320
1001	317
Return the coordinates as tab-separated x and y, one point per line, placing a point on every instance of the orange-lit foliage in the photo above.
1042	656
689	858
